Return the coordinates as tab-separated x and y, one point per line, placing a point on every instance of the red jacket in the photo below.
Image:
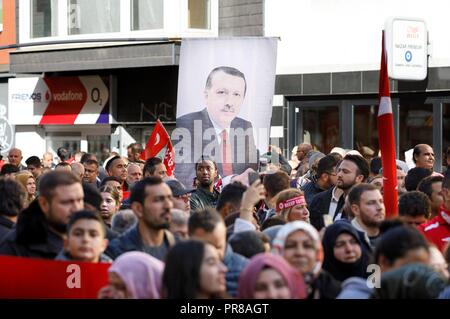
437	230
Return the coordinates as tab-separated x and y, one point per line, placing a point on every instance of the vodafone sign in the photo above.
58	100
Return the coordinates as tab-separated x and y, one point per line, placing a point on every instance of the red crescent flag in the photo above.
387	140
160	145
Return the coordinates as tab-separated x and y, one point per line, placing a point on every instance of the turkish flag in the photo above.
386	139
160	145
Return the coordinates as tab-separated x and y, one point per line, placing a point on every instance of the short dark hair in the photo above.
354	197
425	185
227	70
276	182
414	204
63	153
206	219
85	214
416	151
34	161
9	169
360	162
135	147
138	192
87	157
415	176
92	195
248	243
232	193
108	179
406	239
326	164
204	159
150	165
375	165
51	180
110	162
12	197
272	221
90	162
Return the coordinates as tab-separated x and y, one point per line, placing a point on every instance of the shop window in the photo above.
199	14
321	127
416	125
44	18
445	133
365	130
147	14
87	16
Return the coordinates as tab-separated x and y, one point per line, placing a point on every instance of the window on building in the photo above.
416	125
147	14
87	16
199	14
365	130
44	18
321	127
445	133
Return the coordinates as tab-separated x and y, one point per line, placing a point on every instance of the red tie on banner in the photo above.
227	166
29	278
159	144
387	140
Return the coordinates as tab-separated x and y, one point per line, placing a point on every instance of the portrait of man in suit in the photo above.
216	131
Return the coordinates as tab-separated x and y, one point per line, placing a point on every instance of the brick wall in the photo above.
241	18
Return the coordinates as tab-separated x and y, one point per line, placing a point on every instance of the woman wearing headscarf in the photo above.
194	270
27	180
291	205
299	243
269	276
344	253
134	275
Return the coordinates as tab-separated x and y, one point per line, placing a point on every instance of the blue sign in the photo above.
408	56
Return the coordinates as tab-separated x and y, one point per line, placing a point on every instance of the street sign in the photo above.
406	45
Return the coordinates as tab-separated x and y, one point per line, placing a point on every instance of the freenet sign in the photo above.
406	44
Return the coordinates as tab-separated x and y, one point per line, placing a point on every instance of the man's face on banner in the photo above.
224	98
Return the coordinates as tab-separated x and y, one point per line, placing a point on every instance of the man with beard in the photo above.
40	228
327	206
205	195
366	203
151	201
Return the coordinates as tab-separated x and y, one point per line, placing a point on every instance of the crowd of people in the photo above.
311	227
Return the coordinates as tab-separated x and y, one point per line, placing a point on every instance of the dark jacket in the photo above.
310	190
320	205
5	226
32	236
131	241
200	199
65	256
324	287
235	263
185	172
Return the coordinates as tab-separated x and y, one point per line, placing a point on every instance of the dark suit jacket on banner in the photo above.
186	171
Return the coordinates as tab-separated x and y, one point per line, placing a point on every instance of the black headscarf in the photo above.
336	268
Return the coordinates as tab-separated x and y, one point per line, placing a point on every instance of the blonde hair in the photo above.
22	178
285	195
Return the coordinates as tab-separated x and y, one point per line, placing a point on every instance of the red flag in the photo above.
41	278
387	140
160	145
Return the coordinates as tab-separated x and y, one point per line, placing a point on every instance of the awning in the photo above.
106	56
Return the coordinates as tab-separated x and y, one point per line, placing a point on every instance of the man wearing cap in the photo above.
181	195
